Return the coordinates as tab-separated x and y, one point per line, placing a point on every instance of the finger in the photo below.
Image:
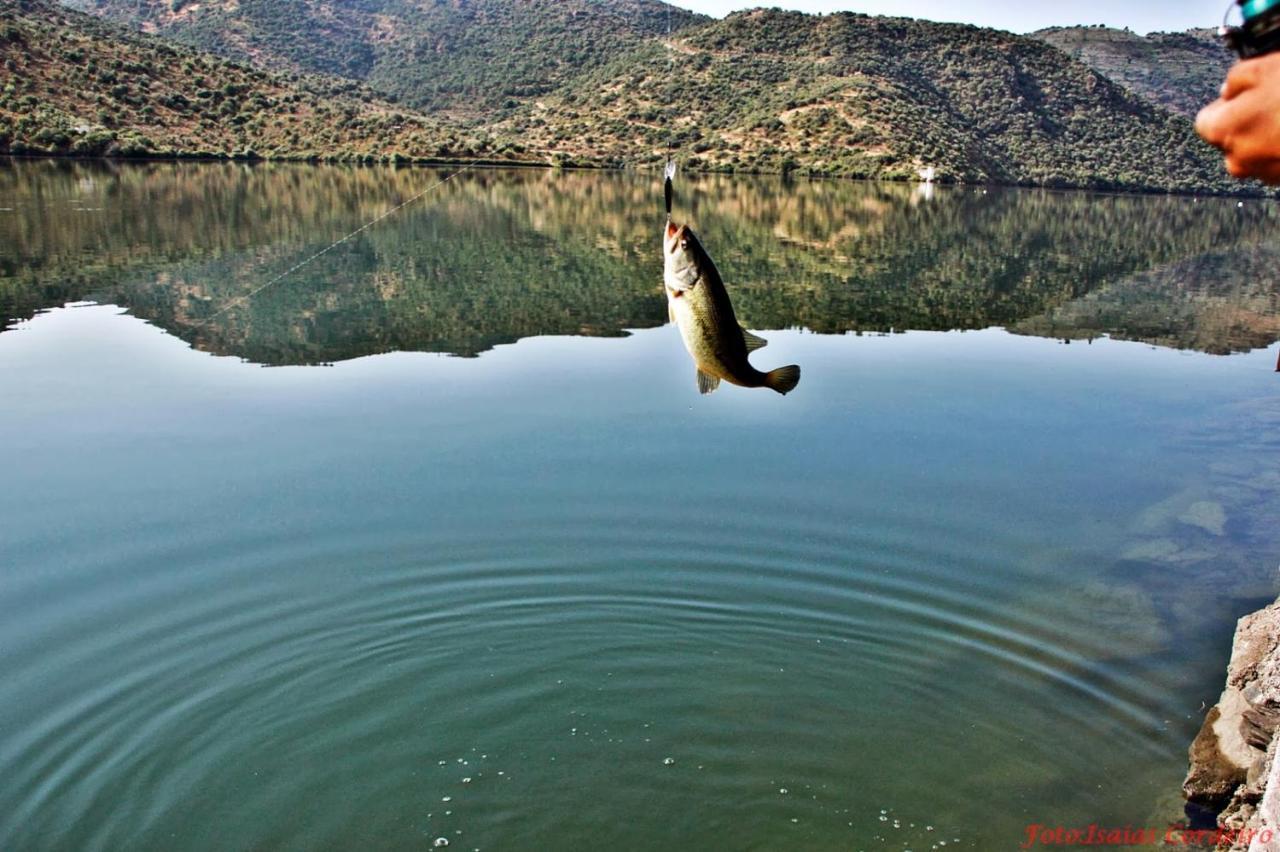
1269	174
1264	169
1238	168
1243	75
1210	124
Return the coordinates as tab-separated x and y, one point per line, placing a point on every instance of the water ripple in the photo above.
322	649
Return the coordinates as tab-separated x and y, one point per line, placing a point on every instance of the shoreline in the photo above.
1245	191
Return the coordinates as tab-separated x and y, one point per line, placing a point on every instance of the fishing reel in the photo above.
1259	32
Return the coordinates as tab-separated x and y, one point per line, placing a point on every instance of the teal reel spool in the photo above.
1260	31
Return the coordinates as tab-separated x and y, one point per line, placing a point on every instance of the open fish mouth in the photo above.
674	233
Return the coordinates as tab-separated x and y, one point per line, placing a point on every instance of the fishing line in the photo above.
668	187
671	71
283	275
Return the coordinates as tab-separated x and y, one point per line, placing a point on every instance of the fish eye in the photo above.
684	244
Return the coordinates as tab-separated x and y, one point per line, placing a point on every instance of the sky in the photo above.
1020	16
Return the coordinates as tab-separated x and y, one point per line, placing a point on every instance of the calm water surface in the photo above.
980	570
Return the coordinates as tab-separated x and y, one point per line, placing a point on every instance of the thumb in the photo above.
1210	124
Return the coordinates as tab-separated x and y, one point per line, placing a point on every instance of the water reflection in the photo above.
493	257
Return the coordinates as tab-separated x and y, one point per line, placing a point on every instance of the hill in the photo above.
470	57
852	95
1181	71
76	85
547	82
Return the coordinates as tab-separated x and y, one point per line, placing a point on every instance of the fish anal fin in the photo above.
753	341
707	384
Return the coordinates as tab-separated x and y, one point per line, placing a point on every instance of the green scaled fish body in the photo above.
698	303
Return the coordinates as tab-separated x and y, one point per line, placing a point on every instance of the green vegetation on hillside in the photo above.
74	85
1181	71
591	83
860	96
469	57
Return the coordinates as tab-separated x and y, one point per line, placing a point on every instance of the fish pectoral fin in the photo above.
707	384
753	341
671	311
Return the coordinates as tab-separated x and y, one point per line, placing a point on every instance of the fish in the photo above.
698	303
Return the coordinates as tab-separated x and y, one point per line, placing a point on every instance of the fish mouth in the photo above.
673	234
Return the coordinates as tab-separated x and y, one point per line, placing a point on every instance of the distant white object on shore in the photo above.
927	174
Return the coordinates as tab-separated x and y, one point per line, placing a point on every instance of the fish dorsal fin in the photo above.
753	341
707	384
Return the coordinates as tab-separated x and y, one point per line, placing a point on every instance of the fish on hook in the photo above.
699	305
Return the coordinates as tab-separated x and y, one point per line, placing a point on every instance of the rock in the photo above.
1261	718
1207	515
1160	518
1255	671
1233	763
1155	550
1220	756
1253	652
1123	612
1167	551
1244	814
1266	819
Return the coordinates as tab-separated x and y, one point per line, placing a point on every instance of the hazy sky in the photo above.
1017	15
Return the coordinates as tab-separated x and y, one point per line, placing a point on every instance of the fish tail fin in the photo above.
783	379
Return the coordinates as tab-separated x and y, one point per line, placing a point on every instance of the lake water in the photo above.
474	560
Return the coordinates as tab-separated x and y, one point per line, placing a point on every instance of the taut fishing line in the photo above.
283	275
668	188
671	145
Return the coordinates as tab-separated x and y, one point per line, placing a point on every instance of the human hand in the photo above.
1245	121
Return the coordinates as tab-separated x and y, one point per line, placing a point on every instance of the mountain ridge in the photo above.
1178	70
80	87
760	91
431	54
871	97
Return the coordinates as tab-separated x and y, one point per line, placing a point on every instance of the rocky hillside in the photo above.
75	85
847	94
1181	71
592	83
470	57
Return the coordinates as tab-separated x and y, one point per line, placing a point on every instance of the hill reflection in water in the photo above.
495	256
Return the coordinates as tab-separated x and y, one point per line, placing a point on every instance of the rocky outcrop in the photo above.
1233	765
